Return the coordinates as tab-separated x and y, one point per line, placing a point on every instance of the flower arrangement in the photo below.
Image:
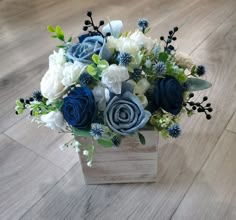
110	84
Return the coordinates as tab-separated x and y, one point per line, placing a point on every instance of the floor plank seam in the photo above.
212	32
46	192
35	152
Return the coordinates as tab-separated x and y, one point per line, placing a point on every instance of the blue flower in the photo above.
125	114
136	74
88	45
125	58
116	140
160	68
79	108
168	94
143	23
96	130
85	79
174	130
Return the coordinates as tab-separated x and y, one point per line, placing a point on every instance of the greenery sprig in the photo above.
168	47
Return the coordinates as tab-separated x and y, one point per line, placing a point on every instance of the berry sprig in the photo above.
94	29
198	106
168	47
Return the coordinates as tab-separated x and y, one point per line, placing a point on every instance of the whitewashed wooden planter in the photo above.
130	162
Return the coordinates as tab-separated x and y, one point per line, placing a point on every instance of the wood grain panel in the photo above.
44	142
24	178
212	196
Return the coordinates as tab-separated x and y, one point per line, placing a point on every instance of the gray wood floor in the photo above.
196	172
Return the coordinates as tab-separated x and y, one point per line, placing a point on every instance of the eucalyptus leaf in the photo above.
141	139
105	142
195	84
82	133
50	28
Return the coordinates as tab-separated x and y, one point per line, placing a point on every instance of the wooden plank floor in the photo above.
196	178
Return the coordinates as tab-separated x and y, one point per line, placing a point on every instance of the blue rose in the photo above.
125	114
168	94
88	45
79	108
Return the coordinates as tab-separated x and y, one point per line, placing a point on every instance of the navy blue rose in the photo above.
125	114
79	108
88	45
168	94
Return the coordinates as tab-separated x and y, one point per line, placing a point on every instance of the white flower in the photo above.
123	44
143	100
101	95
113	77
51	86
142	86
141	40
57	58
54	120
113	27
184	60
85	153
71	72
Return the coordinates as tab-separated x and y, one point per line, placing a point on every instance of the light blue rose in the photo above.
125	114
83	51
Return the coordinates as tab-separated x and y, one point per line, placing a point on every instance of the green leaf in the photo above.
182	78
70	39
163	56
91	70
59	30
96	58
50	28
53	36
60	37
58	104
103	64
61	46
82	133
105	142
141	138
195	84
19	103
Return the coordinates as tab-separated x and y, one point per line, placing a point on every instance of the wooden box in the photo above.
130	162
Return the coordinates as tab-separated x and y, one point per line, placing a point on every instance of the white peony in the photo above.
71	72
123	44
101	96
51	86
113	77
54	120
142	40
184	60
57	58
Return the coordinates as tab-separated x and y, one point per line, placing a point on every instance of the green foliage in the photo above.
82	133
105	142
95	69
195	84
141	138
58	104
163	56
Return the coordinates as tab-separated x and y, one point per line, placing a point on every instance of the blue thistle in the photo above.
85	79
200	70
160	68
37	95
116	140
96	130
174	130
143	24
136	75
125	58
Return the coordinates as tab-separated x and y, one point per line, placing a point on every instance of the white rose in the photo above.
71	72
113	77
54	120
142	40
184	60
101	96
57	58
51	86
